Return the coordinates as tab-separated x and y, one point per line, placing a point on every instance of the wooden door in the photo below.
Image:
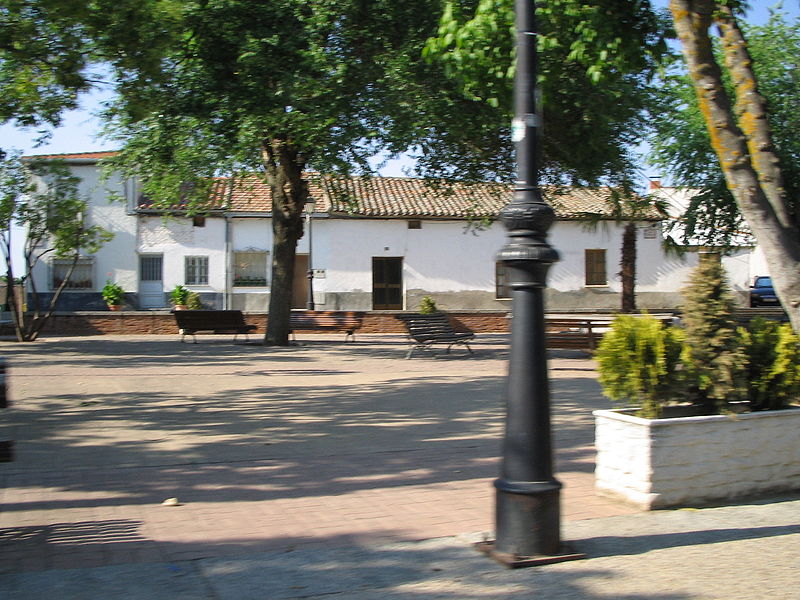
387	283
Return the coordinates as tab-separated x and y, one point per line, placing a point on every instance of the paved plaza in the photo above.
323	468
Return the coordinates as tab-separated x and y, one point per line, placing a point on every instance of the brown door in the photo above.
387	283
300	284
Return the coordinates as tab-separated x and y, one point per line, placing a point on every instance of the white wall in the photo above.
116	260
445	256
176	238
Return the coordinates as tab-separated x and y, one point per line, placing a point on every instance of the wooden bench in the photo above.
425	330
580	333
191	322
574	334
326	320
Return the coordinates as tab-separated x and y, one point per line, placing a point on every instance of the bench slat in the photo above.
424	330
348	321
191	322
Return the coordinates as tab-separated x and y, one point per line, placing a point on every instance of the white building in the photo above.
378	244
743	260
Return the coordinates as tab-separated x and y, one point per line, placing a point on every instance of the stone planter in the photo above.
658	463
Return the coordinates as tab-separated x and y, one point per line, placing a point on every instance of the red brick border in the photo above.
161	322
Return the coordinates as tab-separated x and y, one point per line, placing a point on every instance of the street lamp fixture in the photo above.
309	205
527	511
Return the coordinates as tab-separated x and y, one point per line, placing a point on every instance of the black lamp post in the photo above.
310	273
527	494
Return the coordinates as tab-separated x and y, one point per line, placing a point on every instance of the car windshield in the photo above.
763	282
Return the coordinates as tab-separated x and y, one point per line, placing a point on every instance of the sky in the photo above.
80	129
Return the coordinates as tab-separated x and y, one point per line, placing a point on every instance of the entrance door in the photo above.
300	283
387	283
151	286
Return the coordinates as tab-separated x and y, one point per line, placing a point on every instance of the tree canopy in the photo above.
595	63
681	144
48	49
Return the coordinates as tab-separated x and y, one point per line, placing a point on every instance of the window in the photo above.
198	221
250	268
81	278
415	224
502	291
196	270
596	267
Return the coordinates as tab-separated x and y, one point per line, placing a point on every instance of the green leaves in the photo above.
638	363
682	148
595	61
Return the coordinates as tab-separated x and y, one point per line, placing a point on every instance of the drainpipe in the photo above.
226	297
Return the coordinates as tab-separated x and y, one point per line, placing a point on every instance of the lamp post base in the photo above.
514	561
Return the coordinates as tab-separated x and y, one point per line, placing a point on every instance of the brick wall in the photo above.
161	322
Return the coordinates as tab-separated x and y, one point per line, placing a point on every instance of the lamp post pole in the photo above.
527	494
310	271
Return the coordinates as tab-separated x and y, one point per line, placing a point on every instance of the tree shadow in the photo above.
345	565
641	544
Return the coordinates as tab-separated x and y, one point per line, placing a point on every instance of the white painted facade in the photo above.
743	264
446	259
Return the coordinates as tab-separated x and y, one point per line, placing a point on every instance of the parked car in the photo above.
762	293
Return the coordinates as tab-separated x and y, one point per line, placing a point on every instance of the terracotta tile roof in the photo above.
406	197
75	155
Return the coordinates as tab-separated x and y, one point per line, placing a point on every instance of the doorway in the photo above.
151	286
300	281
387	283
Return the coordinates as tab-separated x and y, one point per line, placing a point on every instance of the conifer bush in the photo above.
427	306
712	358
193	301
639	361
709	363
773	364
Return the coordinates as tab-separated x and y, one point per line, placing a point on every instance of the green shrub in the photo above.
179	295
712	354
639	362
710	363
193	301
772	354
427	306
112	293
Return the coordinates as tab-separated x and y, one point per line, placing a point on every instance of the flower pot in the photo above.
180	307
114	307
658	463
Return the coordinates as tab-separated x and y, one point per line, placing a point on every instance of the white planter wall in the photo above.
656	463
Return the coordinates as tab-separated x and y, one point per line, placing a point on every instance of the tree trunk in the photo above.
284	168
743	147
628	268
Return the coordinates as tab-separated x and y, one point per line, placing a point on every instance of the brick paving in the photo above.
326	443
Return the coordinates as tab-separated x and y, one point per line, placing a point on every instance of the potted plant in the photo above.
179	296
113	295
193	301
710	409
427	306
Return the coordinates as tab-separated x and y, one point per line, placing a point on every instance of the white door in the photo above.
151	287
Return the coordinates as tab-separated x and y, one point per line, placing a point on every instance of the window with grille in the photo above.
196	270
81	278
250	268
502	291
596	267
